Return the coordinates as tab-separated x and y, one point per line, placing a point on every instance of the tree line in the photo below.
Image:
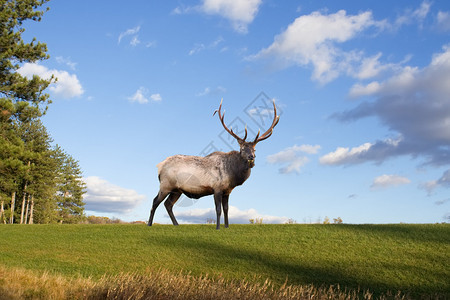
39	181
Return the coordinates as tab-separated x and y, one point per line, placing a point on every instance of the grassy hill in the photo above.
413	259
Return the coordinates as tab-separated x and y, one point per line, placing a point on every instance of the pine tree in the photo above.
70	188
47	181
20	98
38	181
11	170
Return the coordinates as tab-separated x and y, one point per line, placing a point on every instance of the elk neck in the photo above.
239	167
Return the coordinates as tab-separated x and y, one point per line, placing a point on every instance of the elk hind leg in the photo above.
156	202
225	209
173	197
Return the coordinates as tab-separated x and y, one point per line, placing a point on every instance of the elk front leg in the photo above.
218	203
173	197
225	209
156	202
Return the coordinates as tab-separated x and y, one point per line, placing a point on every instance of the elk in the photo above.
215	174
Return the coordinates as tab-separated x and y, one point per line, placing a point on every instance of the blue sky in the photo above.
362	87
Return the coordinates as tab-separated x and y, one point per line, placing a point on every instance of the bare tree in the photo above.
215	174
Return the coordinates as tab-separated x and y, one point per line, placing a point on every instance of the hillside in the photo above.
414	259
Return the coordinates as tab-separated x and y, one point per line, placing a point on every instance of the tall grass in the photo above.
413	259
25	284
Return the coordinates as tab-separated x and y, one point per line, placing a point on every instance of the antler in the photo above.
269	131
230	131
258	138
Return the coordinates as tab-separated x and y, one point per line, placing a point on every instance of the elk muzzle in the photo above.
251	161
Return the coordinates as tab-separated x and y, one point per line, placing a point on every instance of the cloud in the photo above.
212	91
414	104
443	181
240	13
66	61
441	202
385	181
345	155
183	9
359	90
66	86
372	67
443	20
235	216
141	96
411	16
133	32
135	41
291	157
103	196
199	47
312	39
156	97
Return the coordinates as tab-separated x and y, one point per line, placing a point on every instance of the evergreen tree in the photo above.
11	170
37	183
20	98
70	188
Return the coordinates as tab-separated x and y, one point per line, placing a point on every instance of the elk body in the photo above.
215	174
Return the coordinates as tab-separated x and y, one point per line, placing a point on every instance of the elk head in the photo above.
247	148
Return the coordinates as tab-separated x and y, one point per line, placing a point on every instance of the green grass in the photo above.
414	259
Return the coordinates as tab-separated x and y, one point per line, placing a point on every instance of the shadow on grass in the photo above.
408	232
267	264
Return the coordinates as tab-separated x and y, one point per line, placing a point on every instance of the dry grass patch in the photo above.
25	284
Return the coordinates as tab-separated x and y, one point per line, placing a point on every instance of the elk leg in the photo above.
156	202
225	209
173	197
218	202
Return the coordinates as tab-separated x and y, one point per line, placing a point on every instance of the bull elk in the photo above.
215	174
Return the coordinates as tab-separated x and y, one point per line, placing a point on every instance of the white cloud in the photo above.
66	61
291	158
411	16
156	97
372	67
140	96
385	181
443	181
443	20
103	196
66	86
212	91
414	104
199	47
311	40
359	90
182	9
235	215
344	155
239	12
422	11
135	41
129	32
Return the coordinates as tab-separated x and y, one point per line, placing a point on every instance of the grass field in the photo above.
413	259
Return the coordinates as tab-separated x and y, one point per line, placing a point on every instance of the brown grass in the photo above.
161	284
